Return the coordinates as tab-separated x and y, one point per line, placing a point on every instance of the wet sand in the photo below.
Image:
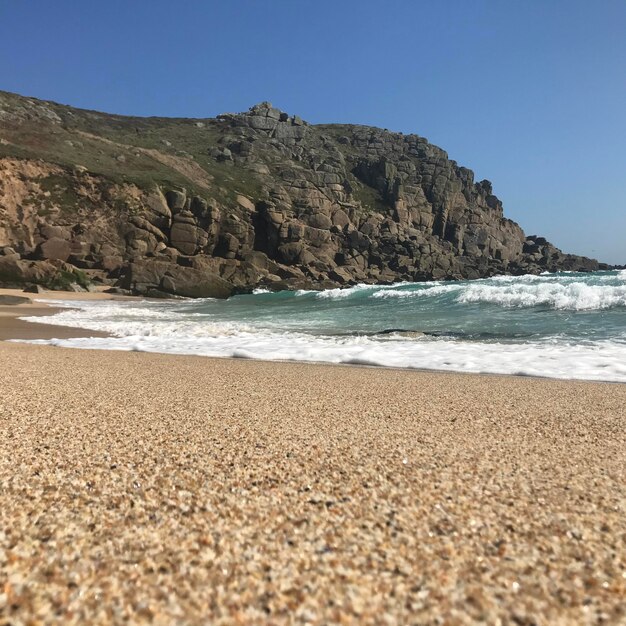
12	327
176	489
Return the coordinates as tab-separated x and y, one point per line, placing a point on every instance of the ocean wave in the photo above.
340	293
289	326
345	292
574	296
421	292
337	294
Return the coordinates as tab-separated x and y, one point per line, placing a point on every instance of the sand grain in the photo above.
164	489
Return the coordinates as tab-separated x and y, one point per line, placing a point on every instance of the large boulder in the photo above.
176	200
192	283
320	220
158	212
290	253
187	238
54	248
157	274
14	272
50	231
227	246
185	234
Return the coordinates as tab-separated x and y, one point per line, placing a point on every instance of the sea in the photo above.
566	325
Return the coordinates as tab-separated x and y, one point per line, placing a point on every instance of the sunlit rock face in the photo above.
206	208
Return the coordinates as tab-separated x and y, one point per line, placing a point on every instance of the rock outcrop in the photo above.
207	208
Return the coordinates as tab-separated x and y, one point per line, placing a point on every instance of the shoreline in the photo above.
15	330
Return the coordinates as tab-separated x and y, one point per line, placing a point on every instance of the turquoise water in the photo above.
565	325
585	307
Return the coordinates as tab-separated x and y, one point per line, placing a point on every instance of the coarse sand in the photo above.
147	488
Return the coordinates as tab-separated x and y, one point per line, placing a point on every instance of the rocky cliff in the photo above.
209	207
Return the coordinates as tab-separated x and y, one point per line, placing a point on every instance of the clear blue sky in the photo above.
529	94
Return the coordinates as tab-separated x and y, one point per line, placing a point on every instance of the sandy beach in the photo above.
12	327
173	489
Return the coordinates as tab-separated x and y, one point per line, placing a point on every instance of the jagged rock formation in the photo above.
209	207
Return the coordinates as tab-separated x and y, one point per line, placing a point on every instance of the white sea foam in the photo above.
274	329
421	292
345	292
605	362
140	329
554	291
575	296
339	293
336	294
139	320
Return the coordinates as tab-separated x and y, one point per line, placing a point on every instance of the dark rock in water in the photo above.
259	198
445	333
401	332
14	300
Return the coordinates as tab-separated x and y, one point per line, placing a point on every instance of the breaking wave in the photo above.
576	296
562	326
